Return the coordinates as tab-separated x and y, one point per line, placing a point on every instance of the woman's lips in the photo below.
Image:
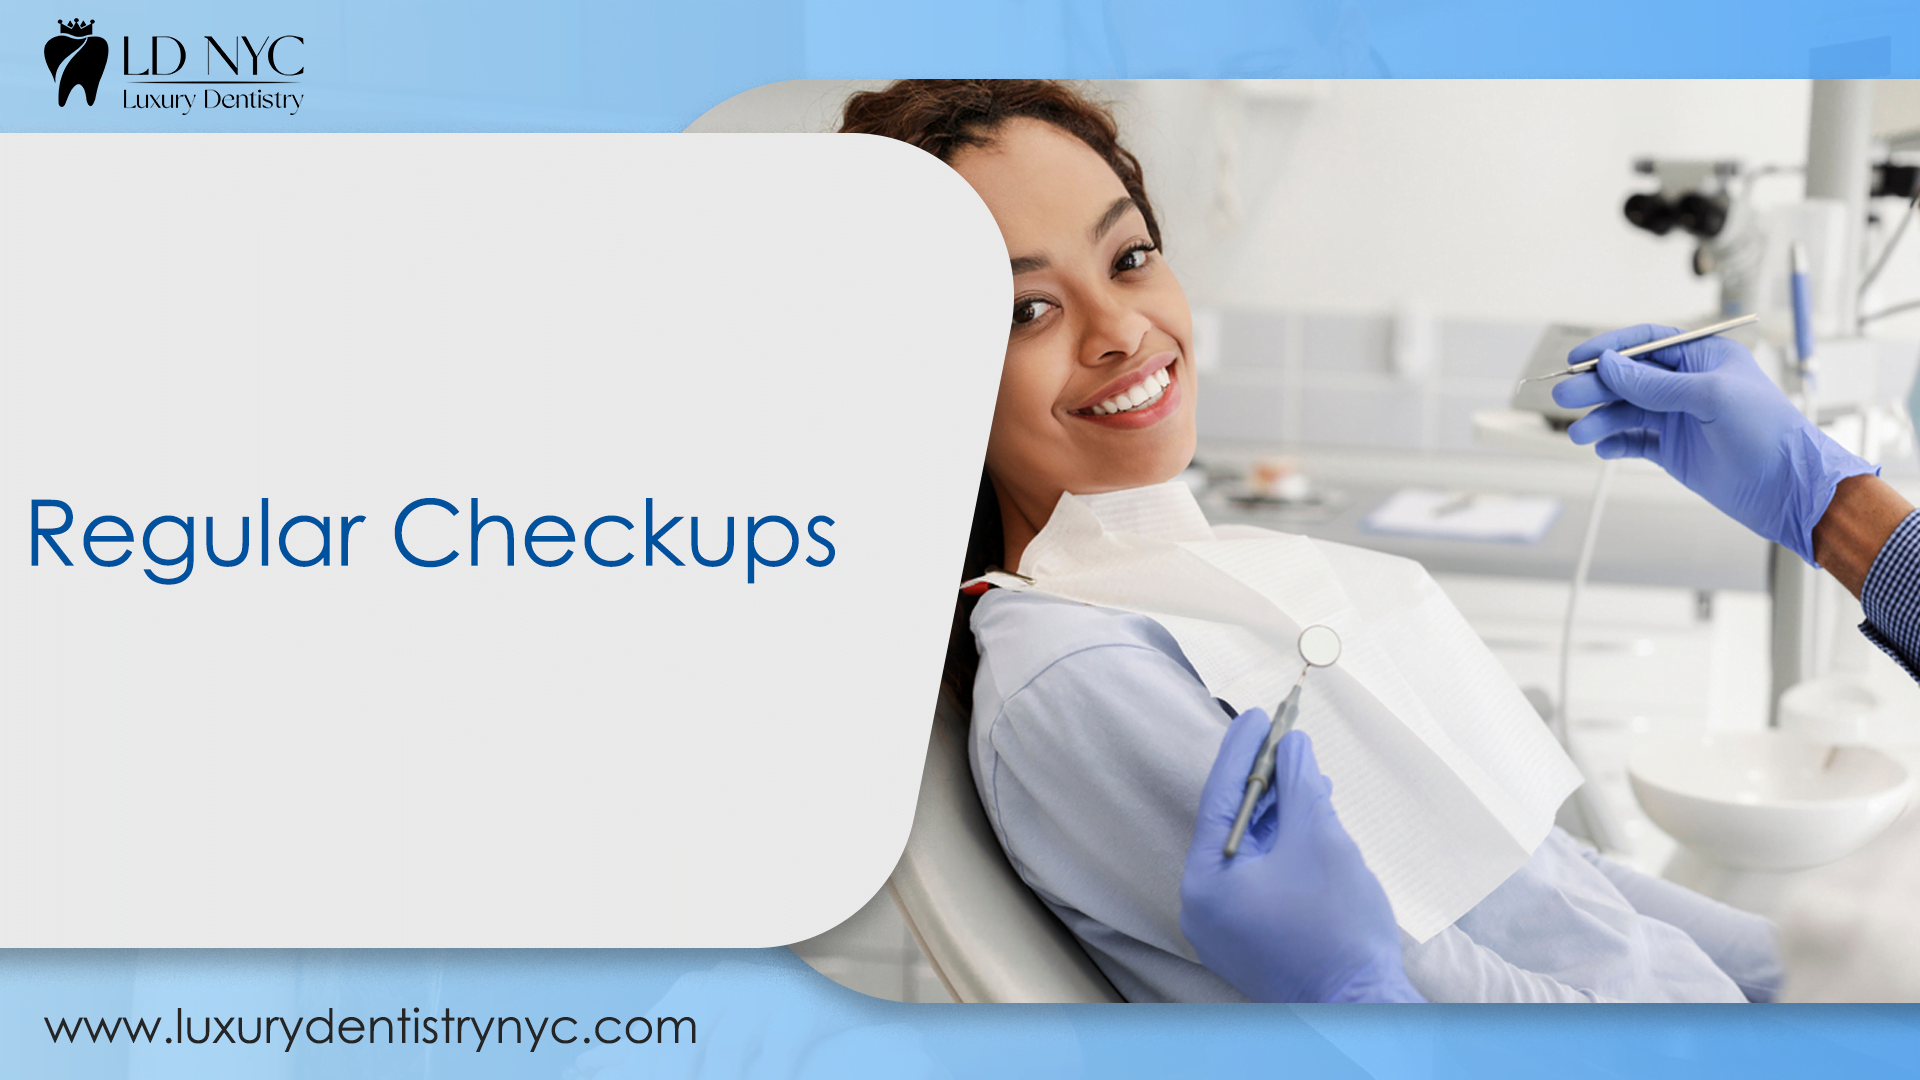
1146	415
1136	378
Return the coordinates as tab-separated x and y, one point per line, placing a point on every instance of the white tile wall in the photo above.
1327	379
1305	379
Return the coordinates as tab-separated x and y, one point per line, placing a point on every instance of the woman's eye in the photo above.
1133	259
1026	311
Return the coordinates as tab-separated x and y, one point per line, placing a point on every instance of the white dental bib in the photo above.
1442	772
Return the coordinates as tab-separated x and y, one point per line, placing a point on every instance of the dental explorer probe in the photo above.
1651	346
1319	647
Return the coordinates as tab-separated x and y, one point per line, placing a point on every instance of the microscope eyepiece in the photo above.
1702	215
1652	212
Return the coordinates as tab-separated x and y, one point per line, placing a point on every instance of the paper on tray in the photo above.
1452	515
1442	772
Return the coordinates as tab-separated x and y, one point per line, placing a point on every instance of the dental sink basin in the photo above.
1766	800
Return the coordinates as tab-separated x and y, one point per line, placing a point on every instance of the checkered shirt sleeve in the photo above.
1891	597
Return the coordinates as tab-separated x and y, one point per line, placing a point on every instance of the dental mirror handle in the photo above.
1260	777
1652	346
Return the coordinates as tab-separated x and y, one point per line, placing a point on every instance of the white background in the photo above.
1481	199
385	755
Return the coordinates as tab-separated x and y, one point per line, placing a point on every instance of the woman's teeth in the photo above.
1140	395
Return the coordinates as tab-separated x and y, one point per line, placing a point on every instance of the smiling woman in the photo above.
1098	321
1098	390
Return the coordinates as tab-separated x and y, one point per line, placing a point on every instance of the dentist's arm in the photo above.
1862	517
1705	413
1296	916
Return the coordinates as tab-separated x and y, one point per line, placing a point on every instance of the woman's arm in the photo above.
1742	944
1450	966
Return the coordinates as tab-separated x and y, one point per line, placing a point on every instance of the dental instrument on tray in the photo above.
1319	647
1651	346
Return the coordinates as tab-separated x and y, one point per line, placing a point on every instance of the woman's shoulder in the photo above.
1022	636
1039	625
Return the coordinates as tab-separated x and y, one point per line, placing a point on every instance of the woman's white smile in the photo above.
1138	396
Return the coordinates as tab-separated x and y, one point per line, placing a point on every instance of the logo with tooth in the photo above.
76	58
1138	396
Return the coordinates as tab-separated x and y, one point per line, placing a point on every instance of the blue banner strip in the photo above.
598	65
598	1014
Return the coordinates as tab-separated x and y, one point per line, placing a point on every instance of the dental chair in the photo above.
988	937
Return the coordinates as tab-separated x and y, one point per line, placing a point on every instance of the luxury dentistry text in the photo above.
406	1027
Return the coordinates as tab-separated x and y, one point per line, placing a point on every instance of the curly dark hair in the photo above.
944	117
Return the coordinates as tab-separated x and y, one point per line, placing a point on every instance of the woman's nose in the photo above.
1114	330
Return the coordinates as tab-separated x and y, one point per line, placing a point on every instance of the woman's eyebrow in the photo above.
1114	213
1026	264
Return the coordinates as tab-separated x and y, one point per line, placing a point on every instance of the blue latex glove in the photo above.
1296	916
1705	412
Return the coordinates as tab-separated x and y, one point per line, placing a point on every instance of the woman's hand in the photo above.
1296	915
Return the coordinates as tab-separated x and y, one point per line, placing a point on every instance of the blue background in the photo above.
595	65
765	1013
603	65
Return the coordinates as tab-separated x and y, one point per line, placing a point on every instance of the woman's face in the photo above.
1098	389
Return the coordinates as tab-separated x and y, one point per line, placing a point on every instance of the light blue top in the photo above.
1092	737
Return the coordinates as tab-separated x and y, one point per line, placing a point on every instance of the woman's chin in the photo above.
1146	475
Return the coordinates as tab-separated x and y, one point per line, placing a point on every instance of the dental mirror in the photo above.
1319	646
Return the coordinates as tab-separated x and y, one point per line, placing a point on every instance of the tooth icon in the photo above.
77	58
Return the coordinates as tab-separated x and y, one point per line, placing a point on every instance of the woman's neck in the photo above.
1017	529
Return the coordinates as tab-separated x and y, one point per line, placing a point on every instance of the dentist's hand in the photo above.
1296	916
1706	413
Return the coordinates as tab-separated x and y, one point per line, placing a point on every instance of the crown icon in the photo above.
76	28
